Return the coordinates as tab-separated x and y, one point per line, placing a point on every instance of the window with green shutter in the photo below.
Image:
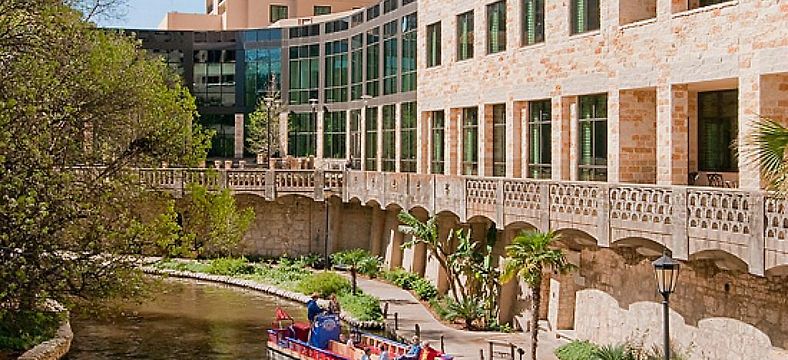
593	137
533	21
496	27
585	16
539	139
407	137
277	12
434	44
465	36
438	143
389	134
470	141
499	139
718	113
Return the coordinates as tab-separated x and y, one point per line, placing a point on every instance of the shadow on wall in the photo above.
599	318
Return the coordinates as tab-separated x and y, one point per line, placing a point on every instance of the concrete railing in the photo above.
697	222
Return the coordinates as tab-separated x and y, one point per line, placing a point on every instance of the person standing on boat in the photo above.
312	308
333	305
384	353
366	354
413	350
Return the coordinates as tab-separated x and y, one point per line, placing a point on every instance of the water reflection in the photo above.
187	320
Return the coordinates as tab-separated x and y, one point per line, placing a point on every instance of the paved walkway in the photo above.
463	345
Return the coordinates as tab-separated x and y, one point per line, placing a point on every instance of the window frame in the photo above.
434	44
470	156
465	48
298	131
389	135
334	135
408	137
537	122
371	139
438	152
728	159
496	44
587	26
539	23
271	12
499	140
595	171
316	7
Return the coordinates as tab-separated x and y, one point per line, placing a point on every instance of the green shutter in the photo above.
580	20
530	24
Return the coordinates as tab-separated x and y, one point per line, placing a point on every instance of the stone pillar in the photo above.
516	115
507	299
749	109
398	135
362	128
283	133
348	134
335	216
561	135
393	258
574	141
453	146
613	135
239	136
672	135
380	139
423	141
319	130
377	231
485	136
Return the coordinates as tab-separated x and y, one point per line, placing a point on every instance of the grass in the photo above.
288	274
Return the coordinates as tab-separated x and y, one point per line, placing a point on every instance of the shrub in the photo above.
371	266
325	284
575	350
613	352
22	330
440	306
230	267
401	278
469	310
424	289
362	306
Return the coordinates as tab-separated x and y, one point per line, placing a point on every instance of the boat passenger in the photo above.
346	341
366	354
384	353
312	308
413	350
333	305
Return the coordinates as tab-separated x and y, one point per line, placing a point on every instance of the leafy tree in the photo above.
213	223
354	259
259	125
527	257
77	108
769	141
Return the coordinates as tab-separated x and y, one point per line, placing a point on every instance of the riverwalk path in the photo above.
464	345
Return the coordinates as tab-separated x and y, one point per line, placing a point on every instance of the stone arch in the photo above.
257	194
643	246
721	259
779	270
373	204
576	239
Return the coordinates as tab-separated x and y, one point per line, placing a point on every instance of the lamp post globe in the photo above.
666	274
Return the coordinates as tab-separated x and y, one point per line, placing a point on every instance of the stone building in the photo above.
618	124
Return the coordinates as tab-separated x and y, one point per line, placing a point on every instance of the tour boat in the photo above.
289	340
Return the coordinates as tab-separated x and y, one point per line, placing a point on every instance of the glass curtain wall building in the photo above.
342	64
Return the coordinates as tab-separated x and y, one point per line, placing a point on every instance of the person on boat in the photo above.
366	354
346	341
333	305
384	353
312	308
413	350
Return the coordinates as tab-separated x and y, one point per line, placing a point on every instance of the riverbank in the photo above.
54	348
258	286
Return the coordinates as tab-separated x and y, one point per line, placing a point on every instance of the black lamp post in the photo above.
666	272
313	103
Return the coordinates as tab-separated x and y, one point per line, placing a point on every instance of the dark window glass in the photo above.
703	3
408	137
409	50
302	135
434	44
334	126
357	19
470	141
336	78
499	139
373	12
357	66
214	78
277	12
322	10
389	154
438	143
337	25
223	141
373	62
533	21
539	135
389	6
263	72
593	137
585	16
465	36
390	58
496	27
718	114
371	139
304	73
355	138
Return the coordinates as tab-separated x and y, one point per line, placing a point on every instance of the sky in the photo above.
146	14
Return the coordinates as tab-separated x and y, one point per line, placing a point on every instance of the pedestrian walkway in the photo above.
462	344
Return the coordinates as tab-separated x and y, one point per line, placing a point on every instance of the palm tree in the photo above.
527	257
769	141
354	260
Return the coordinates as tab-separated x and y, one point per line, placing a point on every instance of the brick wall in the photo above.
638	136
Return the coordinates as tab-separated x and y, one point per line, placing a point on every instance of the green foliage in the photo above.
259	126
575	350
424	289
230	267
356	259
325	284
769	141
401	278
22	330
214	223
440	306
362	306
613	352
70	97
469	310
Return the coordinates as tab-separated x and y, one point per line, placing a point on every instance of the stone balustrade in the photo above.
750	227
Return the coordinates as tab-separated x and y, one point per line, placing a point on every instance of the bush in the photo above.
424	289
440	307
362	306
575	350
325	284
230	267
613	352
401	278
469	310
22	330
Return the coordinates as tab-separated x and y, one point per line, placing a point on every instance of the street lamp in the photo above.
666	272
326	191
270	102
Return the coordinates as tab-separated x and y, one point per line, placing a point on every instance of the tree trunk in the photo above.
536	298
353	276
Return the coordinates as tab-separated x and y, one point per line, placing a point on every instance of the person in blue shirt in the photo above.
413	350
312	308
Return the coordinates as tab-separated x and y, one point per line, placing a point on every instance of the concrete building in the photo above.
255	14
616	123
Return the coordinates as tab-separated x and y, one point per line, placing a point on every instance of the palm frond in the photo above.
768	141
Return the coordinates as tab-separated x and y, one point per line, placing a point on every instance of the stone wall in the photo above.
716	314
52	349
638	136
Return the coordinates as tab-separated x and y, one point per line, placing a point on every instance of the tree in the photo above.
99	9
213	224
78	107
354	259
769	141
527	257
260	127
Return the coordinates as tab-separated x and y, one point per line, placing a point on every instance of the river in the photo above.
185	320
